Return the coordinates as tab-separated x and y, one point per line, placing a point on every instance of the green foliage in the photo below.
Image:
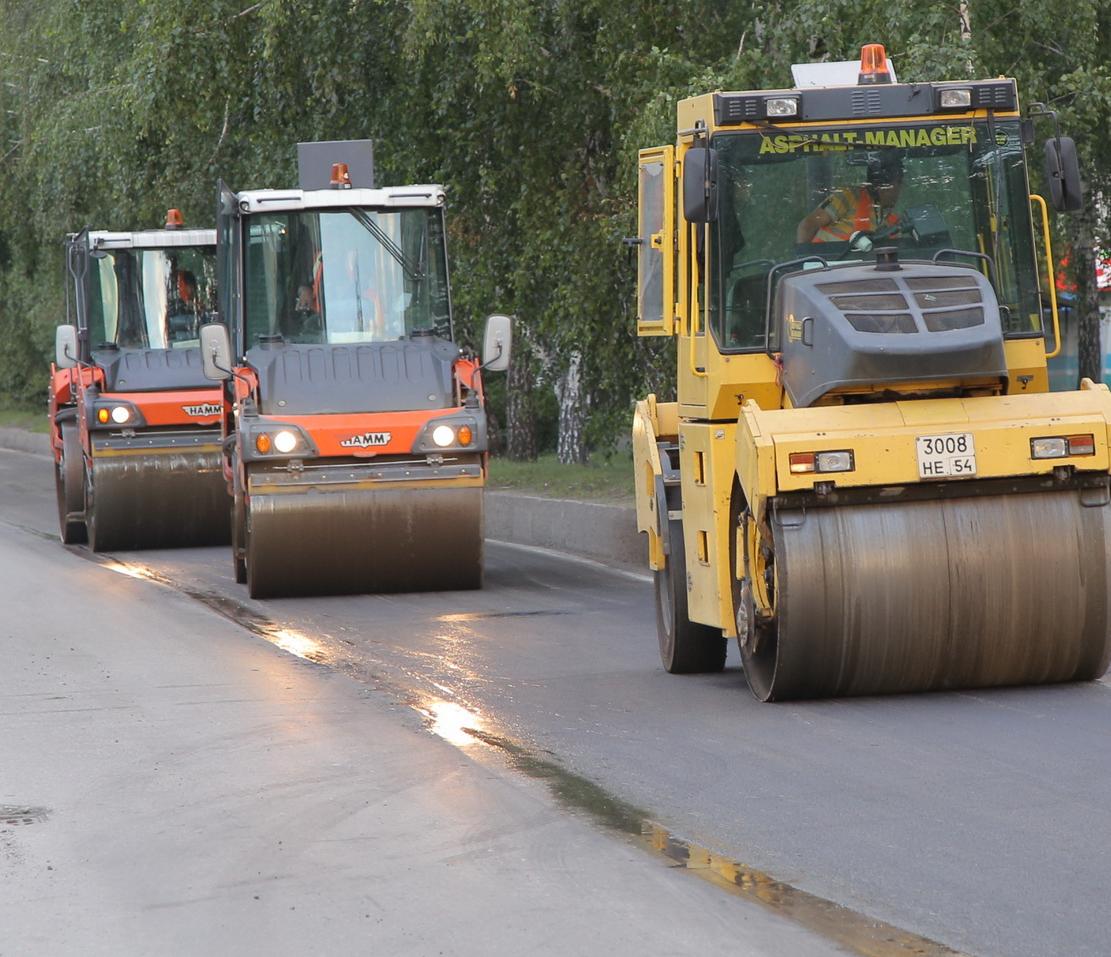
530	113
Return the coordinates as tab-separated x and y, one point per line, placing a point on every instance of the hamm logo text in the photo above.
367	440
202	411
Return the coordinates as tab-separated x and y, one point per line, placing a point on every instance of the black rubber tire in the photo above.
238	539
686	647
69	485
96	542
255	588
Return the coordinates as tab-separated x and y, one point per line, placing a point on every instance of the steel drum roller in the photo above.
974	592
364	539
157	498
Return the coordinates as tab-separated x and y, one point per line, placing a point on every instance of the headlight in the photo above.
116	413
443	436
457	432
280	439
840	461
955	99
1062	446
285	441
782	106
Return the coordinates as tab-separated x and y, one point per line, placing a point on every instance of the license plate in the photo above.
951	455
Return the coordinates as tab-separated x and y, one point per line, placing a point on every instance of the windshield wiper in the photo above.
413	271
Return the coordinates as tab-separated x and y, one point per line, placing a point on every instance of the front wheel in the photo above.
239	539
686	647
69	485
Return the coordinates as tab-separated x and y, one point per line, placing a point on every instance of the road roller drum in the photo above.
349	540
156	498
972	592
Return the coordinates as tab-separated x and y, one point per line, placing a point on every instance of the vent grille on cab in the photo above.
908	305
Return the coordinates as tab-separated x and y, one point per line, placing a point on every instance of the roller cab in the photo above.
136	424
862	476
357	435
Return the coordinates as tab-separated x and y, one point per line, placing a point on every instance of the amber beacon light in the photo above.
873	64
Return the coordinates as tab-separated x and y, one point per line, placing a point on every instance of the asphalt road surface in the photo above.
975	820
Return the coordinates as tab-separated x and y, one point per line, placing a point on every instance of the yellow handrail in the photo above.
1049	270
695	371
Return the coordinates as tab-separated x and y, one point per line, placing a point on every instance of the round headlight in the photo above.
120	414
285	441
443	435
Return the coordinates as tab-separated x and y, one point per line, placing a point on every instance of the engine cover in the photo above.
885	325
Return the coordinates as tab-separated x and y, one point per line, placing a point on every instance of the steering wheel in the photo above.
864	240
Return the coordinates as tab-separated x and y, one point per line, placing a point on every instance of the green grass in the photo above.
606	481
24	419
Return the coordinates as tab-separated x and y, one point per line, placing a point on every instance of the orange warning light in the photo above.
873	64
341	176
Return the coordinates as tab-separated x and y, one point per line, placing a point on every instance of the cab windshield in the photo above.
151	298
350	275
955	191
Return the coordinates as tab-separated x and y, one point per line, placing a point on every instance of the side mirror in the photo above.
1062	173
496	343
215	351
65	347
700	185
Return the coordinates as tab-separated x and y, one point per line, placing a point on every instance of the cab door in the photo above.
656	242
229	266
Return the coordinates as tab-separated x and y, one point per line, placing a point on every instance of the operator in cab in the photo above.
862	209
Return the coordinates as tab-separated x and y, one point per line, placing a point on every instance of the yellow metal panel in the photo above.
693	109
731	381
882	436
1026	364
138	453
932	413
259	486
646	467
755	459
706	520
667	418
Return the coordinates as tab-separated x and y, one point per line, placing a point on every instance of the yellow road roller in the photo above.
864	478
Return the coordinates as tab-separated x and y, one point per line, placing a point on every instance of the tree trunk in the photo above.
1087	294
520	407
572	412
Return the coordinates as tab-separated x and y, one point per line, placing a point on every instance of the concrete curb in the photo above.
607	533
21	440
